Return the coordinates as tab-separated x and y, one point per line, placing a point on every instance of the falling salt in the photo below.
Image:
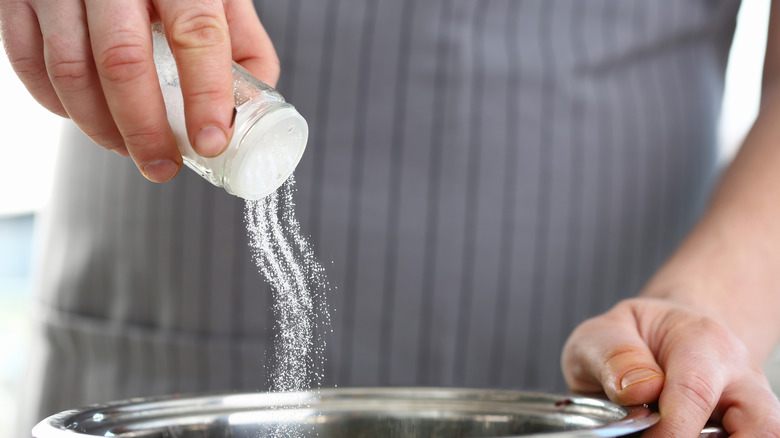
285	259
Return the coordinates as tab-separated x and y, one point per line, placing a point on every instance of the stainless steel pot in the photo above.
353	413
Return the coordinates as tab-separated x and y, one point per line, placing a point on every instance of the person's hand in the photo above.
646	350
91	61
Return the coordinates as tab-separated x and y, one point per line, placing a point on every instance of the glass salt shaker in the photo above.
269	135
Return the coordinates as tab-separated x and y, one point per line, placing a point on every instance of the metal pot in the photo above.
354	413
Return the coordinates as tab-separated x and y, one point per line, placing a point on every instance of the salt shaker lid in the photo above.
267	154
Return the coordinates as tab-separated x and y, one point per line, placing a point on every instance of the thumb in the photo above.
608	354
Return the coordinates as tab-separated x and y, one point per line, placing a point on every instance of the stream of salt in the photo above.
285	258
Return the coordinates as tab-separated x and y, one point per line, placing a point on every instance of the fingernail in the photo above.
210	141
160	170
637	376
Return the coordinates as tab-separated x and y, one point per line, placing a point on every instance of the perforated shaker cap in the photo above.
267	154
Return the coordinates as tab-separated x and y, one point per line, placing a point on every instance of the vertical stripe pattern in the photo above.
442	53
480	177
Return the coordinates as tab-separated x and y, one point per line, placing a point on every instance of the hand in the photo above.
646	350
91	61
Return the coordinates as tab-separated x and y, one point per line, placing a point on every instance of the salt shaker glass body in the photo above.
269	135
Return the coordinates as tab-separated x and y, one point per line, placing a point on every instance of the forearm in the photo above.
729	266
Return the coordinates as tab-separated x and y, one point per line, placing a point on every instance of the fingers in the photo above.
252	48
122	49
752	407
200	42
694	384
609	353
92	60
72	72
708	375
21	35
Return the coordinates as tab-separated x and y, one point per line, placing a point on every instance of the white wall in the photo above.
743	76
28	144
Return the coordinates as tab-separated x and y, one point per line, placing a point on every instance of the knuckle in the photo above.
124	61
727	341
102	137
68	69
699	392
619	353
709	325
29	68
617	361
198	29
70	74
144	137
207	95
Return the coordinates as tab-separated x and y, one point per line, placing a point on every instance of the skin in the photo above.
91	61
694	339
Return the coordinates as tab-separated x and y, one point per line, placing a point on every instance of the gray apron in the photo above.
480	178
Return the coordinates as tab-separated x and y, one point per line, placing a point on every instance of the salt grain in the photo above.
285	258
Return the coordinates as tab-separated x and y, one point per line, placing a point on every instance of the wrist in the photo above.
722	287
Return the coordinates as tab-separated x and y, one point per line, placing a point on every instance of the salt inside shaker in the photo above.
269	135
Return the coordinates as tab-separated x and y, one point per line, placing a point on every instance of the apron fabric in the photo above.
480	177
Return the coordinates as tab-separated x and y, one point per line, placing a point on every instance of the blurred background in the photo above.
28	144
